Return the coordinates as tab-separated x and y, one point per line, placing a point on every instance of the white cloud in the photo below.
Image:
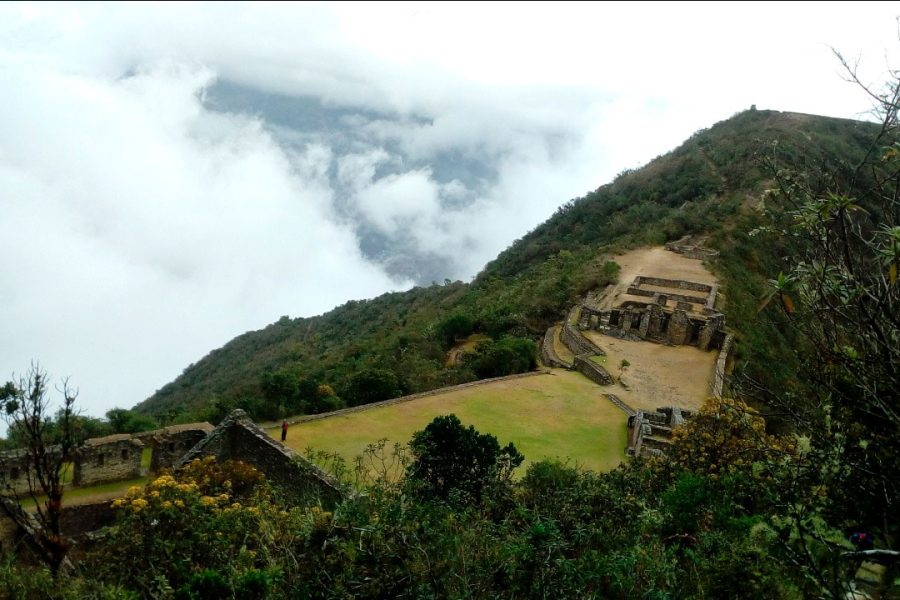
398	201
142	229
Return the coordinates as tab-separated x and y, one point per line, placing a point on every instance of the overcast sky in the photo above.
172	175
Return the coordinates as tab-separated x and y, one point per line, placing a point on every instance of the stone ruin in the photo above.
666	311
239	438
691	248
650	433
110	458
15	471
118	457
170	443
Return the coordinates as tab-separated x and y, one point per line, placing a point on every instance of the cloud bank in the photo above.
171	177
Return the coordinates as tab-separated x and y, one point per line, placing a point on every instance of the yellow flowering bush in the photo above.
208	514
726	435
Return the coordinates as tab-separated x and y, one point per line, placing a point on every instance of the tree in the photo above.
623	365
841	298
122	420
372	385
43	456
448	458
504	357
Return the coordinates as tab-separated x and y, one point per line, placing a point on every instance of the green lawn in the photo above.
560	415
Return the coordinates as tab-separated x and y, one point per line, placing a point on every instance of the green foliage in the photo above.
122	420
507	356
454	327
372	385
450	460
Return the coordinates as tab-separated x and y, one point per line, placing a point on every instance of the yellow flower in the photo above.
223	498
207	501
236	506
154	494
167	504
133	491
118	503
164	481
139	504
179	503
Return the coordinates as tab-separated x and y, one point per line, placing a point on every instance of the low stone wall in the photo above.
619	403
76	521
636	291
717	381
679	284
691	250
409	398
239	438
592	370
549	356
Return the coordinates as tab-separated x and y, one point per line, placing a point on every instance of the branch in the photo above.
876	555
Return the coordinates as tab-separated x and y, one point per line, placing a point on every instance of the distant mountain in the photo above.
712	185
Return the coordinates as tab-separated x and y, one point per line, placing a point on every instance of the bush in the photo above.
450	459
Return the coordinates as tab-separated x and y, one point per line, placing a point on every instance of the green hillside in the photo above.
395	344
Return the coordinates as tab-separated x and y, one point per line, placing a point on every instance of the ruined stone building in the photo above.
111	458
170	443
14	471
239	438
666	311
650	433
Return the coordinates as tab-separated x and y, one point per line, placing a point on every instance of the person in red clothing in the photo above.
284	430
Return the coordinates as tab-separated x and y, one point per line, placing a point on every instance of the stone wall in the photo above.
654	323
636	291
549	356
402	399
717	382
239	438
110	458
574	339
76	521
650	433
592	370
679	284
696	251
14	472
170	443
620	404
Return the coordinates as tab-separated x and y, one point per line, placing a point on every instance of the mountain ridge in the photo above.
704	186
